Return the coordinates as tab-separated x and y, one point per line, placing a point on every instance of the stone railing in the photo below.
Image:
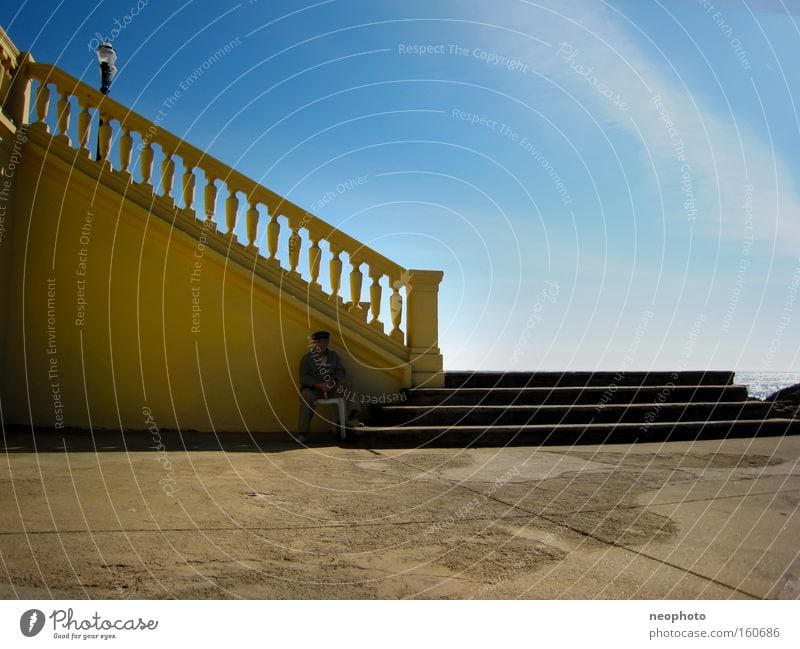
171	169
9	57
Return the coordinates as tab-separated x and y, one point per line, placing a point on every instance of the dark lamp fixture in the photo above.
107	57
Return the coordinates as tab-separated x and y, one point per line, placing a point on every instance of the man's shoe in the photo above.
302	439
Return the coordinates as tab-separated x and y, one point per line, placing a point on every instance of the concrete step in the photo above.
524	415
593	395
568	434
463	379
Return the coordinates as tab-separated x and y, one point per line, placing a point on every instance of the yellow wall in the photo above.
136	348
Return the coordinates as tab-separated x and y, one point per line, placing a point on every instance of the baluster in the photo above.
105	137
42	105
63	116
84	121
356	278
231	211
17	100
252	225
167	174
314	258
6	65
336	273
146	163
396	310
295	243
273	232
188	185
210	198
375	291
125	151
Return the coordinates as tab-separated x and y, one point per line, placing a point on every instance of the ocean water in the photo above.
763	384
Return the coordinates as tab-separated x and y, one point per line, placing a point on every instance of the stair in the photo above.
583	379
500	408
216	252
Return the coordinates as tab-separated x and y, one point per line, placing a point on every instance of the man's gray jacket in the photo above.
312	371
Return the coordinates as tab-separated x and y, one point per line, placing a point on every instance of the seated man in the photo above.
322	376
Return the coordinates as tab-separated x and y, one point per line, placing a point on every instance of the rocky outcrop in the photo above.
787	401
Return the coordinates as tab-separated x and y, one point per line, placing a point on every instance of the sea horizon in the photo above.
761	384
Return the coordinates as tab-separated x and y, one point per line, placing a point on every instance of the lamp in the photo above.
107	56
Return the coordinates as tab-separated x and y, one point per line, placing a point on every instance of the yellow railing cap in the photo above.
7	44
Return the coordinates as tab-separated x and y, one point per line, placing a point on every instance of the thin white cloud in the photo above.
706	159
785	7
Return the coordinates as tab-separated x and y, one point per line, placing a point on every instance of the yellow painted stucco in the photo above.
121	310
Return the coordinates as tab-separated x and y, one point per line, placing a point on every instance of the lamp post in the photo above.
107	56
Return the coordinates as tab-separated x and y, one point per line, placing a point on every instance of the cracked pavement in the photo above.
680	520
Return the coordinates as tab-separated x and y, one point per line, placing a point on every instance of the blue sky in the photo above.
607	185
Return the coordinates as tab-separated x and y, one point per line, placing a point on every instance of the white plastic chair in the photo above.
339	403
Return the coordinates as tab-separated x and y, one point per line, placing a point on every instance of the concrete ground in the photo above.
710	519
